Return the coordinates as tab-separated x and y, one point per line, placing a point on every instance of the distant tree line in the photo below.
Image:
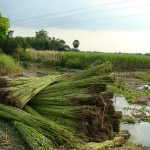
41	41
147	54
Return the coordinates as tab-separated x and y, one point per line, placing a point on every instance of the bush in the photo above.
8	65
22	55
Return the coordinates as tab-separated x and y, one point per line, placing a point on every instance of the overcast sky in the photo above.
99	25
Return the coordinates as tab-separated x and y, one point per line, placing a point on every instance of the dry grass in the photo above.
44	55
5	141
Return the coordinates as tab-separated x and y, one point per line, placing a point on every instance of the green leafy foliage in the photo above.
4	26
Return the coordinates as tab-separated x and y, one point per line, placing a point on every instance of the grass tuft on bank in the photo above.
8	65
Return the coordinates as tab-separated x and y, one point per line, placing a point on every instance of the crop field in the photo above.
81	60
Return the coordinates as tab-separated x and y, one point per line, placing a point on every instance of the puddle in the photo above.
140	132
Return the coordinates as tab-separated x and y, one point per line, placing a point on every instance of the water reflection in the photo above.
140	132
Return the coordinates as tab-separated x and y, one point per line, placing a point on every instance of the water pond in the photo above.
140	132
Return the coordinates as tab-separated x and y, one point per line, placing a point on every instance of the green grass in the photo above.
8	65
128	119
81	60
120	88
144	76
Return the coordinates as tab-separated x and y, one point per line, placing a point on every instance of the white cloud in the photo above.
100	40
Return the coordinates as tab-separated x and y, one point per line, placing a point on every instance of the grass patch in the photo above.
128	119
8	65
144	76
120	88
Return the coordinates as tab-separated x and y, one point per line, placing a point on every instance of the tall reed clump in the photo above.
8	65
66	112
47	57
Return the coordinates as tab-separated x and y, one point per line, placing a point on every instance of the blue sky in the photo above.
113	22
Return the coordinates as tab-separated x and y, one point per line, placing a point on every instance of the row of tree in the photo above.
41	41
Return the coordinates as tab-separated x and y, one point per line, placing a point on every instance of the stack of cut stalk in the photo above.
62	112
18	91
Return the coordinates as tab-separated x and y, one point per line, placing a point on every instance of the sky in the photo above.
99	25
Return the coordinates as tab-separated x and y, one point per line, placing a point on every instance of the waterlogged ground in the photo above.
135	86
139	130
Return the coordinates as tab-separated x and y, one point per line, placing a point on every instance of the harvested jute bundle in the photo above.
18	91
66	111
54	134
80	104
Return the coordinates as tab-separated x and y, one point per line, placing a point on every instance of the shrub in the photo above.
22	55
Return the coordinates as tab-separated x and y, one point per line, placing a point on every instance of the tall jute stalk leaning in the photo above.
63	111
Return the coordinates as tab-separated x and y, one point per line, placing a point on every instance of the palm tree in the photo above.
76	44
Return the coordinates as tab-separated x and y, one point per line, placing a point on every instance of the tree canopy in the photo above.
4	26
42	34
41	41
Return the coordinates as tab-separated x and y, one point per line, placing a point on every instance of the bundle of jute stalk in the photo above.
61	111
37	131
19	90
81	104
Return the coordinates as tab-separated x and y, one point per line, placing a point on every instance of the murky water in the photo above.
140	132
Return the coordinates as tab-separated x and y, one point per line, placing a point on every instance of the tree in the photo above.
11	46
4	26
21	42
76	44
42	34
